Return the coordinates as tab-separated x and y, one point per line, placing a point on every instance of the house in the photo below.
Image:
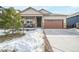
1	9
73	20
43	19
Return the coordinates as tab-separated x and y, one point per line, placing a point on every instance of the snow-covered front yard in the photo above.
32	41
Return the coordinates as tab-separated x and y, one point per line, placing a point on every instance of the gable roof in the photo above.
30	10
45	11
74	14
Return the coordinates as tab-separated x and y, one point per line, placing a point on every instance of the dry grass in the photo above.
10	36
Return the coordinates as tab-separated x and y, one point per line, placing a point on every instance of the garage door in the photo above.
55	24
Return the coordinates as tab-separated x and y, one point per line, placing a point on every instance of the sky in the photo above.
54	9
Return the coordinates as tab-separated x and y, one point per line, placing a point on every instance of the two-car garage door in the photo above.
53	24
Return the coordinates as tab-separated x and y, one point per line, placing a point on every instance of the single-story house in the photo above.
43	18
73	20
47	20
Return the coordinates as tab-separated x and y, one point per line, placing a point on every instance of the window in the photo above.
29	23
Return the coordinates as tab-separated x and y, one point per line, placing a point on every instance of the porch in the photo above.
32	21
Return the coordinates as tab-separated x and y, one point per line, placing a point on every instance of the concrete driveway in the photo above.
62	31
63	40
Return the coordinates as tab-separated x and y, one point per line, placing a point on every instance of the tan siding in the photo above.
55	17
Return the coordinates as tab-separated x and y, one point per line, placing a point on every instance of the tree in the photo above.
10	19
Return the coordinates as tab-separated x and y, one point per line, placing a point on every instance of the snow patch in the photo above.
33	41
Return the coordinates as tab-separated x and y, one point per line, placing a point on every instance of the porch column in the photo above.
42	22
65	25
35	22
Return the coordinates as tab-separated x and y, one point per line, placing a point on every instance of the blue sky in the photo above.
53	9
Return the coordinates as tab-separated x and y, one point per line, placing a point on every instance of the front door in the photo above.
39	21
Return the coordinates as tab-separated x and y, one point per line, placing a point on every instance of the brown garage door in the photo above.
55	24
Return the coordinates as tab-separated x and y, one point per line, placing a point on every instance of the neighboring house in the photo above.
73	20
1	9
43	18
